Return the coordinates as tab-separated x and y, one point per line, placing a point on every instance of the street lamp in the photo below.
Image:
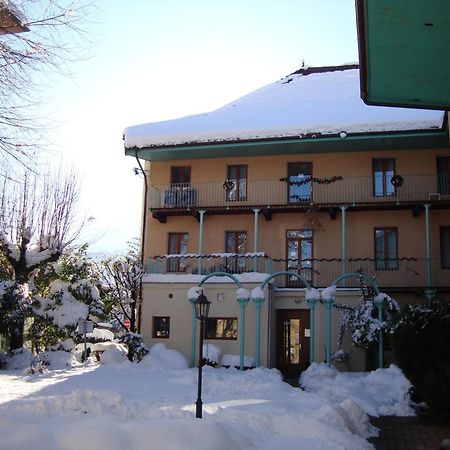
201	311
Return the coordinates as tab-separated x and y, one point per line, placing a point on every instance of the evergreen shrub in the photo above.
421	343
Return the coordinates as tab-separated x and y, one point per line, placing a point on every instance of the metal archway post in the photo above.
194	319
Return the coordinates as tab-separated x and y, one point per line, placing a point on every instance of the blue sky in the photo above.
153	60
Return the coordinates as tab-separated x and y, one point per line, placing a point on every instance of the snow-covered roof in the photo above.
311	102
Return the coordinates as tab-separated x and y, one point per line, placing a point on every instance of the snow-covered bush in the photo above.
164	358
362	320
420	341
135	344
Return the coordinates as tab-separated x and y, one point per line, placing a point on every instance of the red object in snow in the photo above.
127	324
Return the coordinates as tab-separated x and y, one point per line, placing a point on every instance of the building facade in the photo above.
296	200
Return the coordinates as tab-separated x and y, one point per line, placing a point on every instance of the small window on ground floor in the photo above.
161	327
221	328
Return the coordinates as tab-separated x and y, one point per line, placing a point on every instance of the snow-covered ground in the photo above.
150	405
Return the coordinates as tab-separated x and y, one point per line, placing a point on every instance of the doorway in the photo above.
293	334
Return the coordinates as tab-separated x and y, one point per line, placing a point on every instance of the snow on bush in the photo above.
113	355
19	360
165	358
212	353
101	334
235	361
381	392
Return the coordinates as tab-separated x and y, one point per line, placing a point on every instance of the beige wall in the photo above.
408	162
157	303
272	233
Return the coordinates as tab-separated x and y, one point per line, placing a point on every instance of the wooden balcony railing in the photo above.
267	193
405	273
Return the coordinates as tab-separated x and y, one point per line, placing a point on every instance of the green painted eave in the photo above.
404	49
350	143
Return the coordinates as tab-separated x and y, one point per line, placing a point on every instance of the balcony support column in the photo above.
312	305
429	292
328	305
200	241
255	241
344	240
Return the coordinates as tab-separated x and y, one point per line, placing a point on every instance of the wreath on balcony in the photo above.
228	185
397	180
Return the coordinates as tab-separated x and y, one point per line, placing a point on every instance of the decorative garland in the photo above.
311	179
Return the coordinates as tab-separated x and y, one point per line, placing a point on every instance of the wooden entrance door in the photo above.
292	341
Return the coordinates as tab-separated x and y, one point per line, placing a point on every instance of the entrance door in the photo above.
292	341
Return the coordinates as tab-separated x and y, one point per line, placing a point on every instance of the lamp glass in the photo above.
202	307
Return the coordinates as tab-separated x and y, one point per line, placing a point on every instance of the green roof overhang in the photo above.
404	52
437	138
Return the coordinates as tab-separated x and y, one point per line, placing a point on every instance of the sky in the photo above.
153	60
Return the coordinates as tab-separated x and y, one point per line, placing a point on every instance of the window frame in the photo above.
175	178
291	195
238	188
299	269
174	264
385	260
443	174
386	183
235	263
154	328
221	338
445	259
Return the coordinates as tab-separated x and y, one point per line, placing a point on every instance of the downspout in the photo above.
200	241
344	240
429	292
143	229
255	242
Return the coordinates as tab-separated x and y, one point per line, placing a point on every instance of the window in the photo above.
299	245
180	176
386	257
445	247
383	169
161	327
443	174
237	191
235	242
180	192
299	182
178	245
221	328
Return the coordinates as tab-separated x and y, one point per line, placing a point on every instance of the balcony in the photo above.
405	273
326	192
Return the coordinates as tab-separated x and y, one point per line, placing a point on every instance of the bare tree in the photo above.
45	39
37	222
122	282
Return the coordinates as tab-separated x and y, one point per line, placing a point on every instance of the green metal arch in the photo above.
356	275
297	275
221	274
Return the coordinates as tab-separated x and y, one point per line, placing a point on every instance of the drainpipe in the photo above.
429	292
328	303
258	304
193	332
312	305
344	241
200	241
255	244
242	304
143	229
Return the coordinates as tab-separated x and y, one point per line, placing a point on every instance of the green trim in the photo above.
403	52
351	143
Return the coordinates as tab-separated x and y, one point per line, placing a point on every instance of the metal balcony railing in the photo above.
348	190
403	272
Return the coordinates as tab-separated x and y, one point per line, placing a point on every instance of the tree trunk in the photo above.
16	339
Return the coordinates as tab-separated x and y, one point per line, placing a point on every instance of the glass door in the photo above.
299	182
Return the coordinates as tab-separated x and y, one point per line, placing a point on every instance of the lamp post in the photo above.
201	312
